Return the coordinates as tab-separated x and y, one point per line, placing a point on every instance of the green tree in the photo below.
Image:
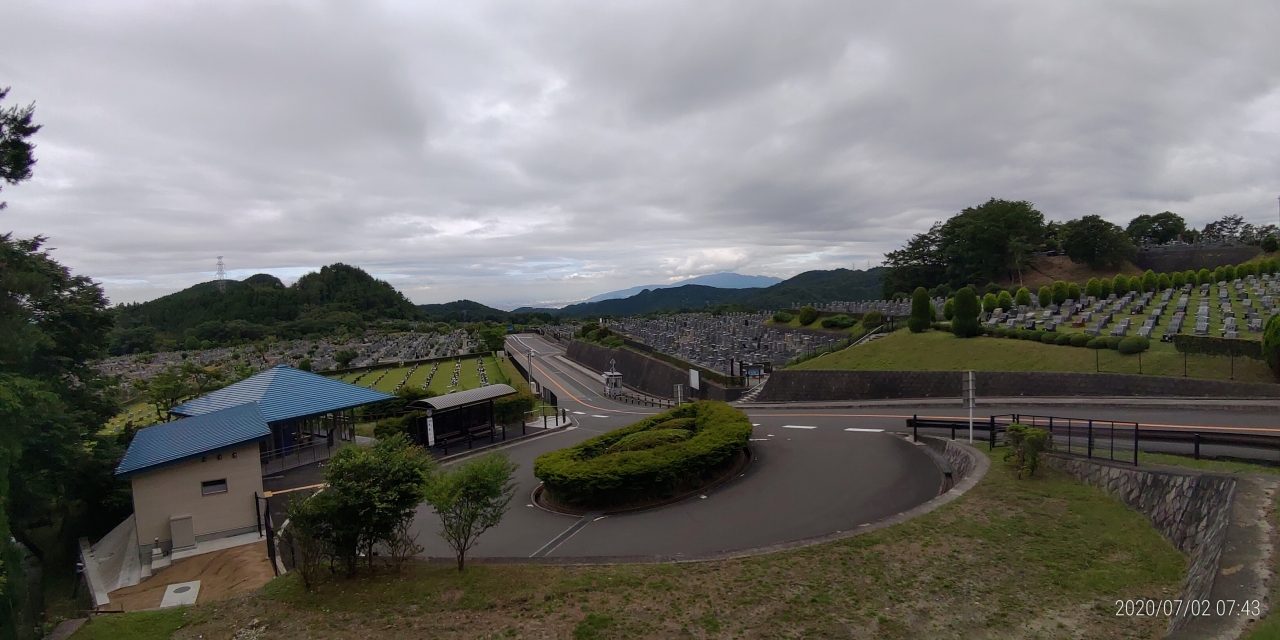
371	490
965	323
344	357
1229	273
989	242
304	364
1271	343
493	338
1059	292
1023	296
1073	291
16	129
1149	280
1096	242
1104	288
1160	228
1004	301
1120	284
1045	296
1093	288
949	308
1270	244
471	500
808	316
1178	279
1244	269
1204	277
921	311
989	302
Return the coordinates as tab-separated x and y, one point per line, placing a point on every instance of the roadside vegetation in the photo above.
1043	556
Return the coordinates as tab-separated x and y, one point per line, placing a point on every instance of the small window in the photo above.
210	487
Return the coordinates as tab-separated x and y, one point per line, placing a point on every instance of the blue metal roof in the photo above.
184	439
282	393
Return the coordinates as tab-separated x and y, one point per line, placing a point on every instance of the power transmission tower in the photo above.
222	277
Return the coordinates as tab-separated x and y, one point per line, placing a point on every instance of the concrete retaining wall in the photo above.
1181	258
800	385
1192	510
649	375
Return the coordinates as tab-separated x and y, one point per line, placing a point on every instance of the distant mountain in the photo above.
724	280
810	286
469	311
338	295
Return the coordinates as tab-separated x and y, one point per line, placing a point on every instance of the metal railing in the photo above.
293	457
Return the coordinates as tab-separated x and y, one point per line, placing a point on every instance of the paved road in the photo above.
817	471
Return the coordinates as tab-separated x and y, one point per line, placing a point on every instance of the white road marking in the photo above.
866	430
755	424
579	413
796	426
757	439
599	416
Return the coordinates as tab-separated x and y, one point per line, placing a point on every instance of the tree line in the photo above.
998	241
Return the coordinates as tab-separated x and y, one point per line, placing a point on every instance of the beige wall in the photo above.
175	491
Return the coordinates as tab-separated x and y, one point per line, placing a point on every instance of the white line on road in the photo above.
796	426
599	416
579	413
866	430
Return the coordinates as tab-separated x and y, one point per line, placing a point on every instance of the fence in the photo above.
284	459
641	400
262	504
1114	440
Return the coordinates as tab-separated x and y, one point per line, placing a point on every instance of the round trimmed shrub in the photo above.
782	316
606	471
1027	334
965	323
1080	339
808	316
1049	337
1113	342
1097	343
872	319
1134	344
1063	339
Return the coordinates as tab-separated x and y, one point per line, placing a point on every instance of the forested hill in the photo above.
810	286
338	295
469	311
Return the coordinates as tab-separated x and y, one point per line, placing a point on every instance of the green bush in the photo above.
511	409
1059	292
1113	342
1029	334
1093	288
1080	339
1063	339
1164	281
1025	446
1045	296
1073	291
1228	273
1000	333
1271	343
782	317
1133	344
840	321
1004	300
1120	284
872	319
1023	297
1190	277
922	314
989	302
1104	288
965	323
650	439
1204	277
949	308
1270	244
1098	342
1149	280
1178	280
1049	337
589	475
808	316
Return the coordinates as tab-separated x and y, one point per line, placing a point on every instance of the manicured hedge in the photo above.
1048	337
589	475
1063	339
1080	339
1134	344
1218	346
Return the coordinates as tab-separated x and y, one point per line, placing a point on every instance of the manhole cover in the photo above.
182	589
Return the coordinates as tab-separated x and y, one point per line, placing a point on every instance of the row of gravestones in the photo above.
435	366
717	341
484	375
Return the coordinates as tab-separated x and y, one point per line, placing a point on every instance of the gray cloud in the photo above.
519	152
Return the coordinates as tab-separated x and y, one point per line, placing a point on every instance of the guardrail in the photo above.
642	400
285	459
1110	439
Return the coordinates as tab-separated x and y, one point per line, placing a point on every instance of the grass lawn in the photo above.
144	625
1044	557
939	350
141	414
388	382
1206	464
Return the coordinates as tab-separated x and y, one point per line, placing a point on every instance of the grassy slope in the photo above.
937	350
1044	557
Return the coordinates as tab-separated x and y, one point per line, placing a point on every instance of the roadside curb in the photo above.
1227	404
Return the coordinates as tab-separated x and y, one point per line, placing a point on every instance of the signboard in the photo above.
693	379
431	432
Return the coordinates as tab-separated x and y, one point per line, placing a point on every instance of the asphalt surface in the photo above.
809	477
815	472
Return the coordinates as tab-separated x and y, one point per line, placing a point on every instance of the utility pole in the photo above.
222	277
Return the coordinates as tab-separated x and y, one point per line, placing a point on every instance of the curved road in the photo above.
816	472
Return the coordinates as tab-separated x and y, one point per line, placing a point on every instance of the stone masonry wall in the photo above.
1181	258
961	461
1190	509
797	385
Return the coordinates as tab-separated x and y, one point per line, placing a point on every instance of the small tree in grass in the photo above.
471	500
965	323
989	303
1120	284
1059	292
1073	291
1163	281
1045	296
1104	288
1023	296
1203	276
1025	445
1004	301
1177	280
949	308
1093	288
921	311
808	315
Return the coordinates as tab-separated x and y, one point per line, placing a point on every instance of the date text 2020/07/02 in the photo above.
1168	608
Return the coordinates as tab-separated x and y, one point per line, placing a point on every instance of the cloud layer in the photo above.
549	151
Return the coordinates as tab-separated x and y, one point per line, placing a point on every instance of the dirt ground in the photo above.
1050	268
222	574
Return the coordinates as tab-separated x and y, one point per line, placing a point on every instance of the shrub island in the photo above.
657	458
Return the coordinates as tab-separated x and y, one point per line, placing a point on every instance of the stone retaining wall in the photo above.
799	385
1181	258
1191	509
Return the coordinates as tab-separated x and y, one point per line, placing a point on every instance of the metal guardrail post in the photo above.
1196	437
1089	443
992	432
915	429
1135	444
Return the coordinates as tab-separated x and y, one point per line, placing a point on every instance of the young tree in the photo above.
949	308
1244	269
1104	288
1004	301
1177	280
1073	291
1149	280
1093	288
471	499
1023	296
1228	273
922	313
1059	292
808	316
989	302
1203	276
1045	296
1120	284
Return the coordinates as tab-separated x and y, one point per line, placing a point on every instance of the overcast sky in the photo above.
526	152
